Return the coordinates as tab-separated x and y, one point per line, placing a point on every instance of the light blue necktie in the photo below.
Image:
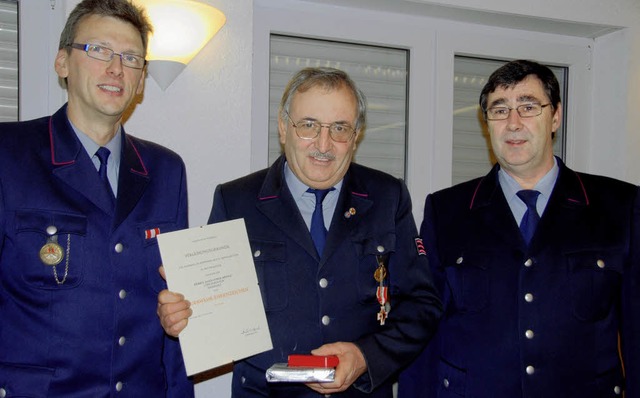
530	219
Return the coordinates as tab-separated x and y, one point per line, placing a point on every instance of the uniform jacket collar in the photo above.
276	203
568	190
569	196
73	167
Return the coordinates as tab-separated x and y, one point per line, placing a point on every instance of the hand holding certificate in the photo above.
213	268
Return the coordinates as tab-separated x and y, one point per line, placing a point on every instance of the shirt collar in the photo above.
545	186
298	188
115	145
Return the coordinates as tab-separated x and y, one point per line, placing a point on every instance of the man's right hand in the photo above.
173	310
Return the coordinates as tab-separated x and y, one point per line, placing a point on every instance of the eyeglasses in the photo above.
106	54
310	130
525	110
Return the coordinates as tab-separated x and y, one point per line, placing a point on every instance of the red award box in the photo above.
313	361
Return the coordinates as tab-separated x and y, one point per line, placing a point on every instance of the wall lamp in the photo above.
180	29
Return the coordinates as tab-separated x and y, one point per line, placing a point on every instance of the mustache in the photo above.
512	136
321	155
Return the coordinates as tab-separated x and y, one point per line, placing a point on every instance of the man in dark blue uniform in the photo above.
537	265
364	293
81	202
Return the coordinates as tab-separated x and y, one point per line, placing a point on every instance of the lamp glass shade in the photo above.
180	29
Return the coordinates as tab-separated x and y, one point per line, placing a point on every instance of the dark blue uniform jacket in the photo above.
539	321
311	300
96	334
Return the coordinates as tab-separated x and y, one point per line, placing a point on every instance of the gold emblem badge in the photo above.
380	273
51	253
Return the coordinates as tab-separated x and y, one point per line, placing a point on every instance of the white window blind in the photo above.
380	72
472	155
8	60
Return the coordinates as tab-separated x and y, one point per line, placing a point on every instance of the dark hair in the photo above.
513	73
123	10
329	78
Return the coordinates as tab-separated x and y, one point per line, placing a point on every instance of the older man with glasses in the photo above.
340	266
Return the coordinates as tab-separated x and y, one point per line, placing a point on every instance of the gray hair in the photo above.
328	78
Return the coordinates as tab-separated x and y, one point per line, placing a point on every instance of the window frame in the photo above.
572	53
10	64
311	20
36	57
383	148
432	45
476	132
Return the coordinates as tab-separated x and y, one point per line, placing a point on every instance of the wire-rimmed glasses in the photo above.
106	54
502	112
308	129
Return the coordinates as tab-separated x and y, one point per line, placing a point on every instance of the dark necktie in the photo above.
318	231
103	154
530	219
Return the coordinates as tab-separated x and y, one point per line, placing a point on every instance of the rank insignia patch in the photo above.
151	233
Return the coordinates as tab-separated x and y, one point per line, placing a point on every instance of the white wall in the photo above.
207	114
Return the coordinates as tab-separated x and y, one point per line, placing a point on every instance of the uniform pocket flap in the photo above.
376	244
265	250
40	221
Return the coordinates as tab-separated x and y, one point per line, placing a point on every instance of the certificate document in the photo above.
213	267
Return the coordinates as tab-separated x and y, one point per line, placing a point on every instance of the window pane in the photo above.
472	155
8	61
381	73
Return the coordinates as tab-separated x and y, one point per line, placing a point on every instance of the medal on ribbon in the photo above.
382	291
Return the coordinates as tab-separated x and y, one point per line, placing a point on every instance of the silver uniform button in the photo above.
617	390
528	297
119	386
118	247
600	263
530	370
3	393
52	230
243	379
528	263
257	253
529	334
122	340
459	260
380	249
326	320
122	294
445	383
323	283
